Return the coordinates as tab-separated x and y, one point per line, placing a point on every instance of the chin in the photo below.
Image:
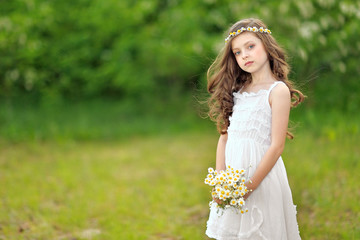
247	71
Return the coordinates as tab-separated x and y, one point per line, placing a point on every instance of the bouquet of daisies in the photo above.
229	187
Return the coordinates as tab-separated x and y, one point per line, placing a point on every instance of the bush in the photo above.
56	49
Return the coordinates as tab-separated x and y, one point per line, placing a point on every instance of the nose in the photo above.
244	55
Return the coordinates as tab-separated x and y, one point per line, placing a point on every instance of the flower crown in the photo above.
249	29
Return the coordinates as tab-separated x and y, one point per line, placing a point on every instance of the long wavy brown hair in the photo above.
225	76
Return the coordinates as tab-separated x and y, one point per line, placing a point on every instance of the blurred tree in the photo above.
125	48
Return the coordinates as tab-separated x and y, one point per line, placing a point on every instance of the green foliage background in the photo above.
97	113
59	49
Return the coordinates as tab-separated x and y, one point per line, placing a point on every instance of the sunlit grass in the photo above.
140	189
152	187
323	175
115	170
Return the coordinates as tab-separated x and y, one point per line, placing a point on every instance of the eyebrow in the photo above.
243	44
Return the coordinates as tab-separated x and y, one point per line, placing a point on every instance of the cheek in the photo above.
240	63
260	52
238	60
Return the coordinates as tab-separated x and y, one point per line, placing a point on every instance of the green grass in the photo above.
126	190
152	188
97	119
101	170
323	174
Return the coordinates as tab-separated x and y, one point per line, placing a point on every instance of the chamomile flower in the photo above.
227	193
210	170
222	191
213	194
241	202
222	197
210	176
221	178
236	193
233	202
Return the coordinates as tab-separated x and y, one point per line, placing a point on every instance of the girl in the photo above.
250	101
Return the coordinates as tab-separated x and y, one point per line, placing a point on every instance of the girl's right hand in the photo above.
218	201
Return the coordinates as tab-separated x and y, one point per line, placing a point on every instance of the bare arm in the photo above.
220	157
220	152
280	106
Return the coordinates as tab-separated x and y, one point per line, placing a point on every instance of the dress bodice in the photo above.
251	117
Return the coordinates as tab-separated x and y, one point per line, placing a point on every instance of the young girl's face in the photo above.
249	52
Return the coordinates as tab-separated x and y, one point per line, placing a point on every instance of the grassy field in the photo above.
150	185
96	119
152	188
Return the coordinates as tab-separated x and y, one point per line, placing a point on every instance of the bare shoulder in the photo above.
280	93
280	90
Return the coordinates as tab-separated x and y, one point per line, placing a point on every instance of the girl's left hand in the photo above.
249	186
247	195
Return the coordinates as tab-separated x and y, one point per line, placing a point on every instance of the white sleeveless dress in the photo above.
272	214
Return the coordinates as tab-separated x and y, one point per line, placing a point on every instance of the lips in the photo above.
248	63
